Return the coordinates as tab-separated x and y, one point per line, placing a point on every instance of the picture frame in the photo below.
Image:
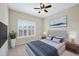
59	22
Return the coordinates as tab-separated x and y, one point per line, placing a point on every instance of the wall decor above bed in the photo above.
59	22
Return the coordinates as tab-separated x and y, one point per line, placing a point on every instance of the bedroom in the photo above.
20	16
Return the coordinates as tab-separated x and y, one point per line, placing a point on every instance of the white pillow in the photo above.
57	40
49	38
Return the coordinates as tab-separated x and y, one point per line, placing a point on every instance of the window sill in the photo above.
25	37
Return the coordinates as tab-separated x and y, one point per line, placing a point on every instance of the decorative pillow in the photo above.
57	40
50	37
62	39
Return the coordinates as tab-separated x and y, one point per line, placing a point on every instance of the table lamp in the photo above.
73	36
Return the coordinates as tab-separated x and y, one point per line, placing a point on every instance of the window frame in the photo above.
32	24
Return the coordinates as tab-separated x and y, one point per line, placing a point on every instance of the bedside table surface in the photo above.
72	47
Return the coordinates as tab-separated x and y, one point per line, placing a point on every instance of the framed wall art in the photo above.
59	22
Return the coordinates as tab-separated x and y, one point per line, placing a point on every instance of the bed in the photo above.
51	47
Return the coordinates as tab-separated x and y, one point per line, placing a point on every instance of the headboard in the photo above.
58	33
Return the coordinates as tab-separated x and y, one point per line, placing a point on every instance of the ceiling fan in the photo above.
43	7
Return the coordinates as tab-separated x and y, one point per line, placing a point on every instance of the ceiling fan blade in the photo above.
39	12
36	8
45	10
48	6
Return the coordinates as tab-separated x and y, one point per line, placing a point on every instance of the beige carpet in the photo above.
68	53
20	51
17	51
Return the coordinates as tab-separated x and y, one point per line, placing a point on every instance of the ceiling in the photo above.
29	8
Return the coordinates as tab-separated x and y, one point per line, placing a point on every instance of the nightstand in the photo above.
72	47
43	37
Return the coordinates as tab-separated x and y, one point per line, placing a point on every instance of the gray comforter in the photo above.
42	49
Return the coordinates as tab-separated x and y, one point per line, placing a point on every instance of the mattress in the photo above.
60	47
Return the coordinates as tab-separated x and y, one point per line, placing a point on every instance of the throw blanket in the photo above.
42	49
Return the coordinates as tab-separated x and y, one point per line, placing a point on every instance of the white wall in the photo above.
4	19
4	49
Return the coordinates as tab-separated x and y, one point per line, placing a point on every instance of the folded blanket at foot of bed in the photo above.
40	48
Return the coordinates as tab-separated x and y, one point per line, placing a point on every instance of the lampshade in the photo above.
72	36
45	33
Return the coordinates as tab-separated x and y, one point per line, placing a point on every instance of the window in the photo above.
26	28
